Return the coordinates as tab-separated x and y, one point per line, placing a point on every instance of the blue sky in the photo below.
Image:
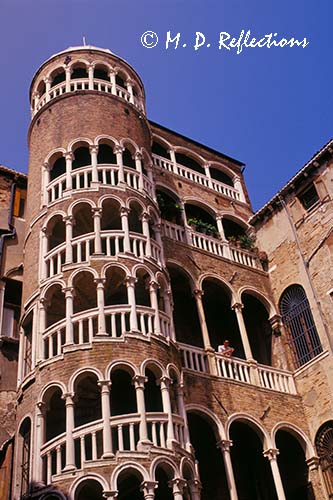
270	108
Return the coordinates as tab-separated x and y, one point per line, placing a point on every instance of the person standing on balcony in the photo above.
225	349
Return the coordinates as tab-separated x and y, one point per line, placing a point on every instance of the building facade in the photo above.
141	257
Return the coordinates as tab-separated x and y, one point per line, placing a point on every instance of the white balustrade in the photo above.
112	242
81	177
244	257
53	457
84	326
83	247
173	231
117	320
208	243
165	325
145	317
56	188
83	84
196	177
54	339
277	380
179	431
194	358
54	260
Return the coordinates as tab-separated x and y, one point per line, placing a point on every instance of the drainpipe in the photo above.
306	268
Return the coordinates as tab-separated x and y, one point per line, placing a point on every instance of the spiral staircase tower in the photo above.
100	378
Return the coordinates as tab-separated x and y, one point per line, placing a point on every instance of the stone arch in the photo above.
45	290
179	374
54	383
79	202
132	199
201	204
120	364
162	141
186	462
75	143
49	217
128	466
82	479
253	423
298	433
178	265
155	366
90	270
81	371
220	166
118	265
164	461
143	267
109	197
126	141
271	309
103	137
56	151
224	282
210	417
191	154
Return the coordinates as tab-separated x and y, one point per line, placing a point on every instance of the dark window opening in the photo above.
129	487
169	207
309	198
60	77
55	418
101	74
153	397
12	308
106	154
324	446
89	490
87	401
79	72
122	395
160	150
128	159
82	158
25	434
120	81
220	176
258	329
58	168
189	162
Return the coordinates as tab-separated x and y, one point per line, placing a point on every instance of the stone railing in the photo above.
81	178
88	439
117	322
196	177
248	372
83	84
210	244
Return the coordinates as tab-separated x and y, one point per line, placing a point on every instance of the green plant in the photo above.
246	241
232	239
192	221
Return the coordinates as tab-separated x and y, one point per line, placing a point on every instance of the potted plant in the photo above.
193	222
232	240
246	242
211	230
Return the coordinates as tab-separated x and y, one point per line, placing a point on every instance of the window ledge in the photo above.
309	364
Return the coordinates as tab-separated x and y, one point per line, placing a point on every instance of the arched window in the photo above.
324	446
25	440
298	320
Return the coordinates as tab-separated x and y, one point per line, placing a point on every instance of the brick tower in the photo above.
139	263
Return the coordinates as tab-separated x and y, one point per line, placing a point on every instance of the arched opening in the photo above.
129	485
185	313
220	318
24	451
158	149
82	220
55	305
111	215
252	471
300	326
203	436
56	232
258	328
90	489
233	232
57	166
324	447
106	155
58	76
27	326
200	220
134	218
170	207
87	400
115	294
189	162
128	158
101	73
79	70
293	467
163	475
82	158
220	176
84	292
173	392
55	413
162	294
142	295
153	396
123	398
120	81
41	89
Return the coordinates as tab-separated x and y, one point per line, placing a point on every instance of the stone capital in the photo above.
96	211
238	306
68	397
154	285
224	445
104	385
271	453
69	156
118	149
139	381
93	148
138	155
198	293
177	484
124	211
130	280
313	463
100	282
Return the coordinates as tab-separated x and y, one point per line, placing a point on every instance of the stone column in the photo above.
20	367
46	182
139	384
69	158
148	488
118	151
204	331
242	329
45	249
110	495
164	385
130	284
146	233
272	454
94	171
70	424
40	436
207	172
182	413
315	478
48	88
97	216
107	436
177	486
220	227
42	325
158	238
129	85
194	486
100	305
124	211
138	167
153	287
238	186
112	76
2	296
151	179
69	313
69	236
224	446
34	337
173	160
91	76
68	79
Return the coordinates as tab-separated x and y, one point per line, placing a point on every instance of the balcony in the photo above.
210	244
89	445
83	84
198	178
196	360
81	179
